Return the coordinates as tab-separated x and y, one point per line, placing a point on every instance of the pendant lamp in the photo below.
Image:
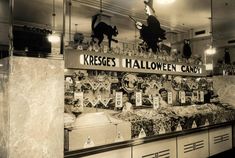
54	37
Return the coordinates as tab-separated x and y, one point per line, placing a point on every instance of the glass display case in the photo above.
117	104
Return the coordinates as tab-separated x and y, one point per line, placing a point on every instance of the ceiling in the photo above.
180	16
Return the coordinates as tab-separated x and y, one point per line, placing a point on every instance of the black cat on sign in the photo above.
102	29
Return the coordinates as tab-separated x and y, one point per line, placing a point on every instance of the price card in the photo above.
138	98
201	96
79	97
195	96
156	102
182	96
169	98
118	100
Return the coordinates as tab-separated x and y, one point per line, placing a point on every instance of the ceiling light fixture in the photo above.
165	1
53	38
211	50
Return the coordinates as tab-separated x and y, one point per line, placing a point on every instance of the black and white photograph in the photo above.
117	78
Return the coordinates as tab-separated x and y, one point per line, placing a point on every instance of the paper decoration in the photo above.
89	143
194	125
94	102
156	102
169	98
207	123
138	98
105	85
105	101
179	127
119	137
94	85
85	103
118	100
142	133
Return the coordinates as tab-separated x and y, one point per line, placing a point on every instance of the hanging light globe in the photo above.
210	51
53	38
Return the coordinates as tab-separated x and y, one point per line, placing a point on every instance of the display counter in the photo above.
128	105
216	139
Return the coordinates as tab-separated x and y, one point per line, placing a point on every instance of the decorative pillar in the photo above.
32	109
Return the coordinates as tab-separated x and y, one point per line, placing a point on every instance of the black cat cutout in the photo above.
227	59
187	49
102	29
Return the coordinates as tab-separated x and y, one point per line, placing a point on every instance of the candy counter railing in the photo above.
105	126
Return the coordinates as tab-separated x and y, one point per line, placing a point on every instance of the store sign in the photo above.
160	66
98	60
110	62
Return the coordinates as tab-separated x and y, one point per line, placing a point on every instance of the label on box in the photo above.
138	98
207	122
89	143
142	133
119	137
118	100
182	97
179	127
169	97
194	125
201	96
156	102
